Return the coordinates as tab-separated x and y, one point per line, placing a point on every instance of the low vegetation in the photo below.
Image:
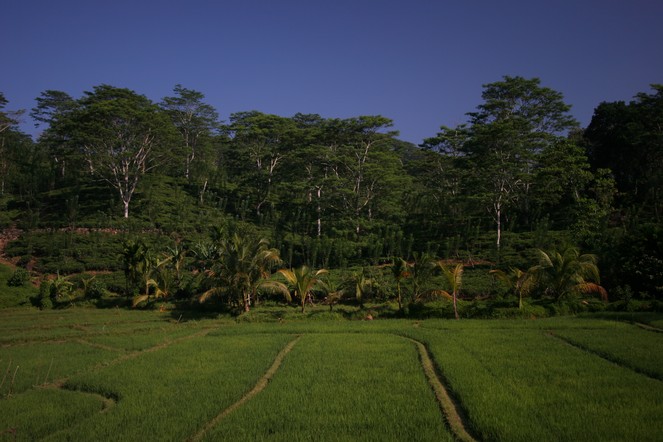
106	374
204	275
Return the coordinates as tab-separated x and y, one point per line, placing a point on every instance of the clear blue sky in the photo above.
421	63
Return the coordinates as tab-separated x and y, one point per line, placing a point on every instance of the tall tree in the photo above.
8	118
560	183
628	139
52	107
442	177
122	136
369	169
12	141
399	270
517	121
196	122
260	143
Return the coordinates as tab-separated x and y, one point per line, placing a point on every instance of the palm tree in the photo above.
568	274
303	280
422	270
521	283
357	285
176	258
454	279
400	270
158	278
242	267
133	257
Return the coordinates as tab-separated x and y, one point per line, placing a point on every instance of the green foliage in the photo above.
516	379
342	368
567	274
94	289
68	252
335	193
304	279
243	264
503	377
13	296
19	278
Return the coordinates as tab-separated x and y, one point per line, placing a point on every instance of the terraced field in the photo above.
123	375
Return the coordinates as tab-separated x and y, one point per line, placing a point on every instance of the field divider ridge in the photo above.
447	403
648	327
606	357
61	382
257	388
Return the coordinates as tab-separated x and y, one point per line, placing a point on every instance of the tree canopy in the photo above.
333	192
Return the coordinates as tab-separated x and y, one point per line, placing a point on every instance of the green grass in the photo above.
623	344
519	383
169	394
147	375
36	413
36	364
342	387
14	296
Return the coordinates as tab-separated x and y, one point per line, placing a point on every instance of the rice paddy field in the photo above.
86	374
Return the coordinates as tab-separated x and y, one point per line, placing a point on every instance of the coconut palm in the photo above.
176	258
400	270
358	285
422	270
454	277
133	258
205	254
303	280
243	266
158	278
567	274
521	283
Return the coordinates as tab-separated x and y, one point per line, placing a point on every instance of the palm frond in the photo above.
590	287
139	299
277	287
435	294
209	294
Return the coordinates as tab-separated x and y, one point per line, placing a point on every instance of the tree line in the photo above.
330	192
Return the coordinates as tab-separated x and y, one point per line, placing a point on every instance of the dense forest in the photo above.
114	175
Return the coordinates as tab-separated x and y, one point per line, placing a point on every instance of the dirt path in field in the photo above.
260	386
447	404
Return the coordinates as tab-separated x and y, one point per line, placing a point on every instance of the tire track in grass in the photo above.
448	405
606	357
258	387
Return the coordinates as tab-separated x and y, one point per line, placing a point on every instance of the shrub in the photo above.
45	303
44	299
45	289
19	278
95	289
